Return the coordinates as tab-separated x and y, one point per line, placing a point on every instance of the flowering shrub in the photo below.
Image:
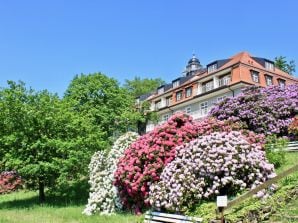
209	125
293	129
9	181
263	110
103	197
145	159
210	165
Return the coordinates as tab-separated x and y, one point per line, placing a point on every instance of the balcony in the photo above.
216	84
224	81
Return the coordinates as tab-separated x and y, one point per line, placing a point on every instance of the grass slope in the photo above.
23	207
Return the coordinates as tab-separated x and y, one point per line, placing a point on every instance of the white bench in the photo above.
158	217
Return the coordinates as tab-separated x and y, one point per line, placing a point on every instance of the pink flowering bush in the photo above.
9	181
263	110
210	165
145	159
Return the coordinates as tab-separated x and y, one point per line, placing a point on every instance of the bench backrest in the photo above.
158	217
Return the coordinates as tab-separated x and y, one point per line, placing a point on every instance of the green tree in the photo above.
101	99
288	67
138	86
43	139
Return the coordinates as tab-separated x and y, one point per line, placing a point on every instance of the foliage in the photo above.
43	139
275	152
103	197
263	110
138	86
293	128
288	67
219	163
144	160
9	181
101	99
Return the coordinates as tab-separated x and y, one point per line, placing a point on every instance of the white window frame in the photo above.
157	105
209	86
176	83
180	95
269	80
160	90
169	101
281	83
188	110
188	92
255	76
165	117
269	65
212	67
204	107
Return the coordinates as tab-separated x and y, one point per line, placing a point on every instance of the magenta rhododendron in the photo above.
9	181
145	159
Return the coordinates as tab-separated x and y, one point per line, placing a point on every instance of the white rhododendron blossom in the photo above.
209	166
103	196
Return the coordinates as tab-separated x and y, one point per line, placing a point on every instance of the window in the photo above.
255	76
178	95
176	83
221	98
269	65
168	101
188	92
165	117
188	110
204	108
269	80
157	105
282	83
224	80
160	90
212	67
208	86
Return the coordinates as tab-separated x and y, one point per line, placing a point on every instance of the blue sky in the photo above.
45	43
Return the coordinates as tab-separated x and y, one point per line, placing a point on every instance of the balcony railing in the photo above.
220	83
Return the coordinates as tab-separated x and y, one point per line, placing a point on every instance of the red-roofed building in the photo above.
199	88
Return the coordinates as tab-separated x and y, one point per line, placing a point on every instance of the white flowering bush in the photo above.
220	163
103	196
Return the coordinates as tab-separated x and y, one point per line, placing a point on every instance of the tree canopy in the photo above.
281	63
43	138
138	86
104	101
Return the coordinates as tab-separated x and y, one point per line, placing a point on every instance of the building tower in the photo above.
192	66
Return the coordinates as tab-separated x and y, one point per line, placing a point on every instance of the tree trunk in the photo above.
42	196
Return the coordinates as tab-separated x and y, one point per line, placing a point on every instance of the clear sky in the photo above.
45	43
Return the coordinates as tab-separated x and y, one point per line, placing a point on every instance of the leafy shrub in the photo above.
103	197
145	159
263	110
9	181
210	165
275	152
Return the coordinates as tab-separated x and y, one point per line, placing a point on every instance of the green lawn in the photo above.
23	207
